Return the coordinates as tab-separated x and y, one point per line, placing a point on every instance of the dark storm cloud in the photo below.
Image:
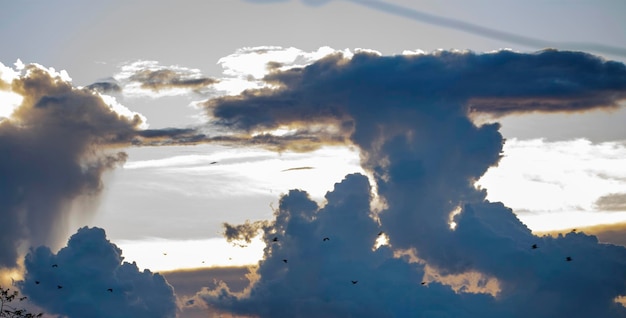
317	279
612	202
409	117
88	278
49	156
331	90
167	79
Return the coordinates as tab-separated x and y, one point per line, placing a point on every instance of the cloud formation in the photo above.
496	83
51	152
88	278
54	148
410	118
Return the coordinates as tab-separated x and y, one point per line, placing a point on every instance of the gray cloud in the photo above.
410	118
51	152
105	87
612	202
495	83
88	278
148	78
54	149
244	232
166	79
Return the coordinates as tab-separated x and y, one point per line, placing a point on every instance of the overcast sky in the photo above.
160	146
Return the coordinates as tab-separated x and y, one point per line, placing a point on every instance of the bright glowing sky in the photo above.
174	199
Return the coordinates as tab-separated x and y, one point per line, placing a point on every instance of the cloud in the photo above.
88	278
54	148
409	116
612	202
496	83
148	78
386	286
105	87
243	232
51	152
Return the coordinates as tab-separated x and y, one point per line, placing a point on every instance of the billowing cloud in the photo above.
335	88
410	118
54	148
88	278
321	261
50	154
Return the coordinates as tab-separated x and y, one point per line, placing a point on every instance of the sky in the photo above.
314	158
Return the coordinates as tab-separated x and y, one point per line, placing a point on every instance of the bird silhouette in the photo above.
110	290
59	286
326	239
213	162
55	265
275	239
534	246
284	261
354	282
568	259
36	282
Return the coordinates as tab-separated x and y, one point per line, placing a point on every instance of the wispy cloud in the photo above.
149	78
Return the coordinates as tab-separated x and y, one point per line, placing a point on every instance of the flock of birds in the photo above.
354	282
325	239
37	282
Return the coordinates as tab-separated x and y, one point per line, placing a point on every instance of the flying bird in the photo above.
534	246
110	290
354	282
326	239
213	162
568	259
36	282
59	286
55	265
284	261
